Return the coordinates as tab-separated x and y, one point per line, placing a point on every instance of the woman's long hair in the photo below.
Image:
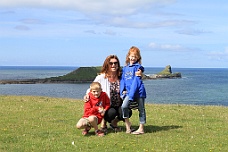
106	65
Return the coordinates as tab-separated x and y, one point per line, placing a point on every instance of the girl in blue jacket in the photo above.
132	89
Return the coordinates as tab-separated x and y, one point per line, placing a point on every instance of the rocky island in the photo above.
164	74
86	75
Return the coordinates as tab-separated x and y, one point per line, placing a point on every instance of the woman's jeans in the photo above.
141	109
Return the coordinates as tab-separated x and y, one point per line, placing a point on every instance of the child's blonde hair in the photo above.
95	86
135	50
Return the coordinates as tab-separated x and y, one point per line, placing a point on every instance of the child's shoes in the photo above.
86	130
99	133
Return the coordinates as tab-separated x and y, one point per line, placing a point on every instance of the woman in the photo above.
109	78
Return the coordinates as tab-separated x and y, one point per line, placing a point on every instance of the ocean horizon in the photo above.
198	86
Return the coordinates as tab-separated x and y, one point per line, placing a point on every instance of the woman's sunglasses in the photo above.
111	63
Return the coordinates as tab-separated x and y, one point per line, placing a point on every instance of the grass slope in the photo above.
37	124
82	74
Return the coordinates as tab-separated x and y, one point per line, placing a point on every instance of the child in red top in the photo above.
94	110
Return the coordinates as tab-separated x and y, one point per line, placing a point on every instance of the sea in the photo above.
198	86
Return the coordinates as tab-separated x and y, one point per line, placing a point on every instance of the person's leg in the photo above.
128	125
113	117
104	127
114	122
130	113
125	111
125	107
116	117
110	114
93	121
82	123
120	114
142	111
142	116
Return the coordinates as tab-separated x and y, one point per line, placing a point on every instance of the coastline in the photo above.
196	87
87	74
43	81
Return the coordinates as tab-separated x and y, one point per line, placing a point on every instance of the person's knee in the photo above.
125	105
81	123
110	112
93	119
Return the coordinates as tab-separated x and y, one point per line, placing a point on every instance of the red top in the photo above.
91	107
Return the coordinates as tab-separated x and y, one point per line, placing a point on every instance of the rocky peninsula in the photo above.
86	75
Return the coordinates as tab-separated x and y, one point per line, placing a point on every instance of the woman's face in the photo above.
113	65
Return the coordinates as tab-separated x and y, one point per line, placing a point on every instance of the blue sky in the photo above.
83	32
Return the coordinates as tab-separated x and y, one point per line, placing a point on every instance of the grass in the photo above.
29	123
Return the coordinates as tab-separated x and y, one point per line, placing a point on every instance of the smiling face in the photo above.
96	92
133	58
113	65
95	89
110	67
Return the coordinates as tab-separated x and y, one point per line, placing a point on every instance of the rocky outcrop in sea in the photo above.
164	74
87	74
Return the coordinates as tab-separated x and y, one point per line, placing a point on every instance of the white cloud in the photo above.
219	55
170	47
192	31
118	7
132	23
118	13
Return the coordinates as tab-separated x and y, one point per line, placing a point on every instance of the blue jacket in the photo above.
131	83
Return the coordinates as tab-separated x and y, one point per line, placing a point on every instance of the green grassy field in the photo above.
29	123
